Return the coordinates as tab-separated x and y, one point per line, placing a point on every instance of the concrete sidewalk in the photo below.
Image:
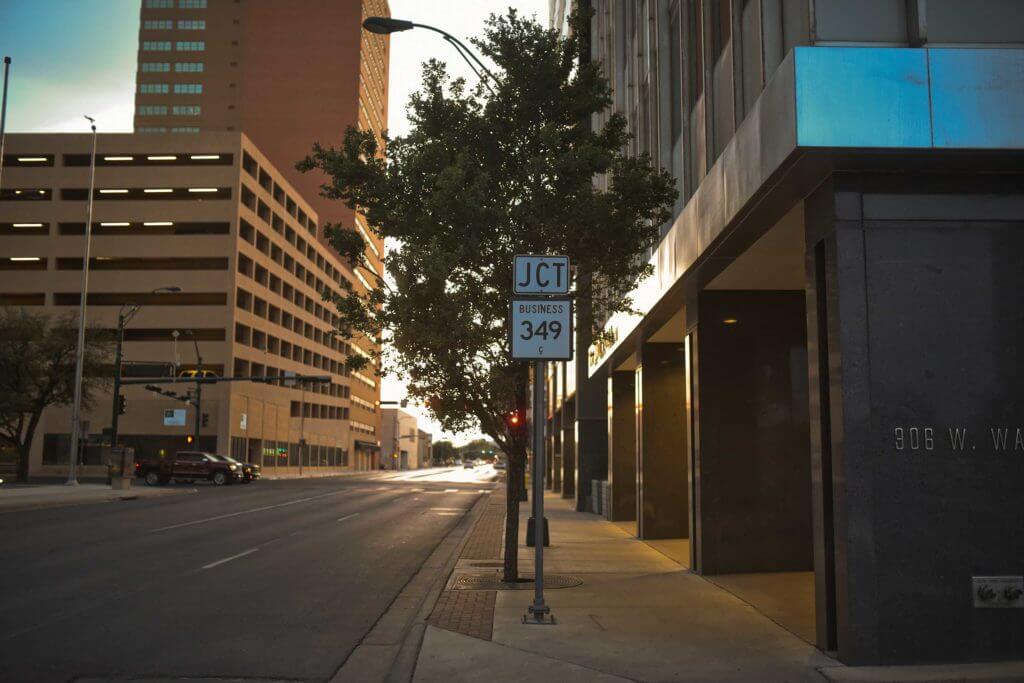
32	496
638	616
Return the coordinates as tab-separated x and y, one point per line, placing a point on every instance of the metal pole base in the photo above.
531	533
540	616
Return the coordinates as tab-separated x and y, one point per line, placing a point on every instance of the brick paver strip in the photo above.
470	613
487	538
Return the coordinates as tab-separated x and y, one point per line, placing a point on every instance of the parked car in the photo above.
468	464
500	465
250	470
188	466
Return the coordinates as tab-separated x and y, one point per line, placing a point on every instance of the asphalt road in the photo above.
274	580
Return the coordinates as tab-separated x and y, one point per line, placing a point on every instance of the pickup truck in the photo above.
188	466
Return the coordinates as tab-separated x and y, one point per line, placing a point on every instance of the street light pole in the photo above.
3	118
387	25
76	410
123	318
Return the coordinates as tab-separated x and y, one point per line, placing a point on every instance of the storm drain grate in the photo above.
491	581
487	564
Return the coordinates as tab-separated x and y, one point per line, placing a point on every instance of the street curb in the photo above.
390	650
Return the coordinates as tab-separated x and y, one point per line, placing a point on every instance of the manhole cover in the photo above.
491	581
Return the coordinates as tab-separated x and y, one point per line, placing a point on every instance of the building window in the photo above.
189	46
192	4
192	24
151	129
188	67
155	67
158	24
185	110
159	4
185	129
188	88
151	110
156	46
153	88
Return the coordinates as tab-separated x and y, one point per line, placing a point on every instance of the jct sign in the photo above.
541	275
541	329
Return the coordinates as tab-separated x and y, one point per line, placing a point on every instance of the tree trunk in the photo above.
25	448
21	473
513	486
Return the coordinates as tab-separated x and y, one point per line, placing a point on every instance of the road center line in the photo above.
250	551
354	514
245	512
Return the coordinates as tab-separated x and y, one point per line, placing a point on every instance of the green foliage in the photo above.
37	370
479	179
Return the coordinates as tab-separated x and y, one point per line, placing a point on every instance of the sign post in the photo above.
540	329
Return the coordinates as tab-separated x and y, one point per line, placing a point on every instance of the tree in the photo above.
37	370
478	448
442	452
480	178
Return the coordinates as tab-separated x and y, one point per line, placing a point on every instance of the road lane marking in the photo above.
354	514
447	509
451	490
250	551
245	512
448	514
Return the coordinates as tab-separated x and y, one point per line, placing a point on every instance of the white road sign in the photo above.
174	417
541	329
541	275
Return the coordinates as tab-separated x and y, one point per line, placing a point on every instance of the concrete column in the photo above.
753	454
556	452
568	415
591	409
661	442
622	482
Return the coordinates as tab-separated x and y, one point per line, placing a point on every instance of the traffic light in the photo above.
190	439
206	419
122	404
515	421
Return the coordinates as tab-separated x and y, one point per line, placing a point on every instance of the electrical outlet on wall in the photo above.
998	591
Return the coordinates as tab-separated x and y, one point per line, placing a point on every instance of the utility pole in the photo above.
199	386
3	118
76	410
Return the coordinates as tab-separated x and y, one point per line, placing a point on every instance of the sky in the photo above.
76	57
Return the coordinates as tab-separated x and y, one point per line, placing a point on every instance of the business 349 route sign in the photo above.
541	329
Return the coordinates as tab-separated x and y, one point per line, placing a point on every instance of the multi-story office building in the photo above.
288	75
821	390
402	442
210	214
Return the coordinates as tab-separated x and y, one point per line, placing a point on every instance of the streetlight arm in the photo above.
463	50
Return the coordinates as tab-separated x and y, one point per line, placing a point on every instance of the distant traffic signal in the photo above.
122	404
190	439
206	419
515	421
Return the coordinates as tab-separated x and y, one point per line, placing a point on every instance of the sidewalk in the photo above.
34	496
637	616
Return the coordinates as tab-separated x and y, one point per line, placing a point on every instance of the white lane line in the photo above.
447	509
448	514
451	490
250	551
354	514
244	512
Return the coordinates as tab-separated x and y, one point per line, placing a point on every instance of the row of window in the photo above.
118	193
168	24
165	67
179	46
132	228
169	4
164	88
115	299
116	263
162	109
261	341
256	272
163	129
282	318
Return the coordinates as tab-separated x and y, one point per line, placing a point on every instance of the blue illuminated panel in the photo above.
977	98
862	97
